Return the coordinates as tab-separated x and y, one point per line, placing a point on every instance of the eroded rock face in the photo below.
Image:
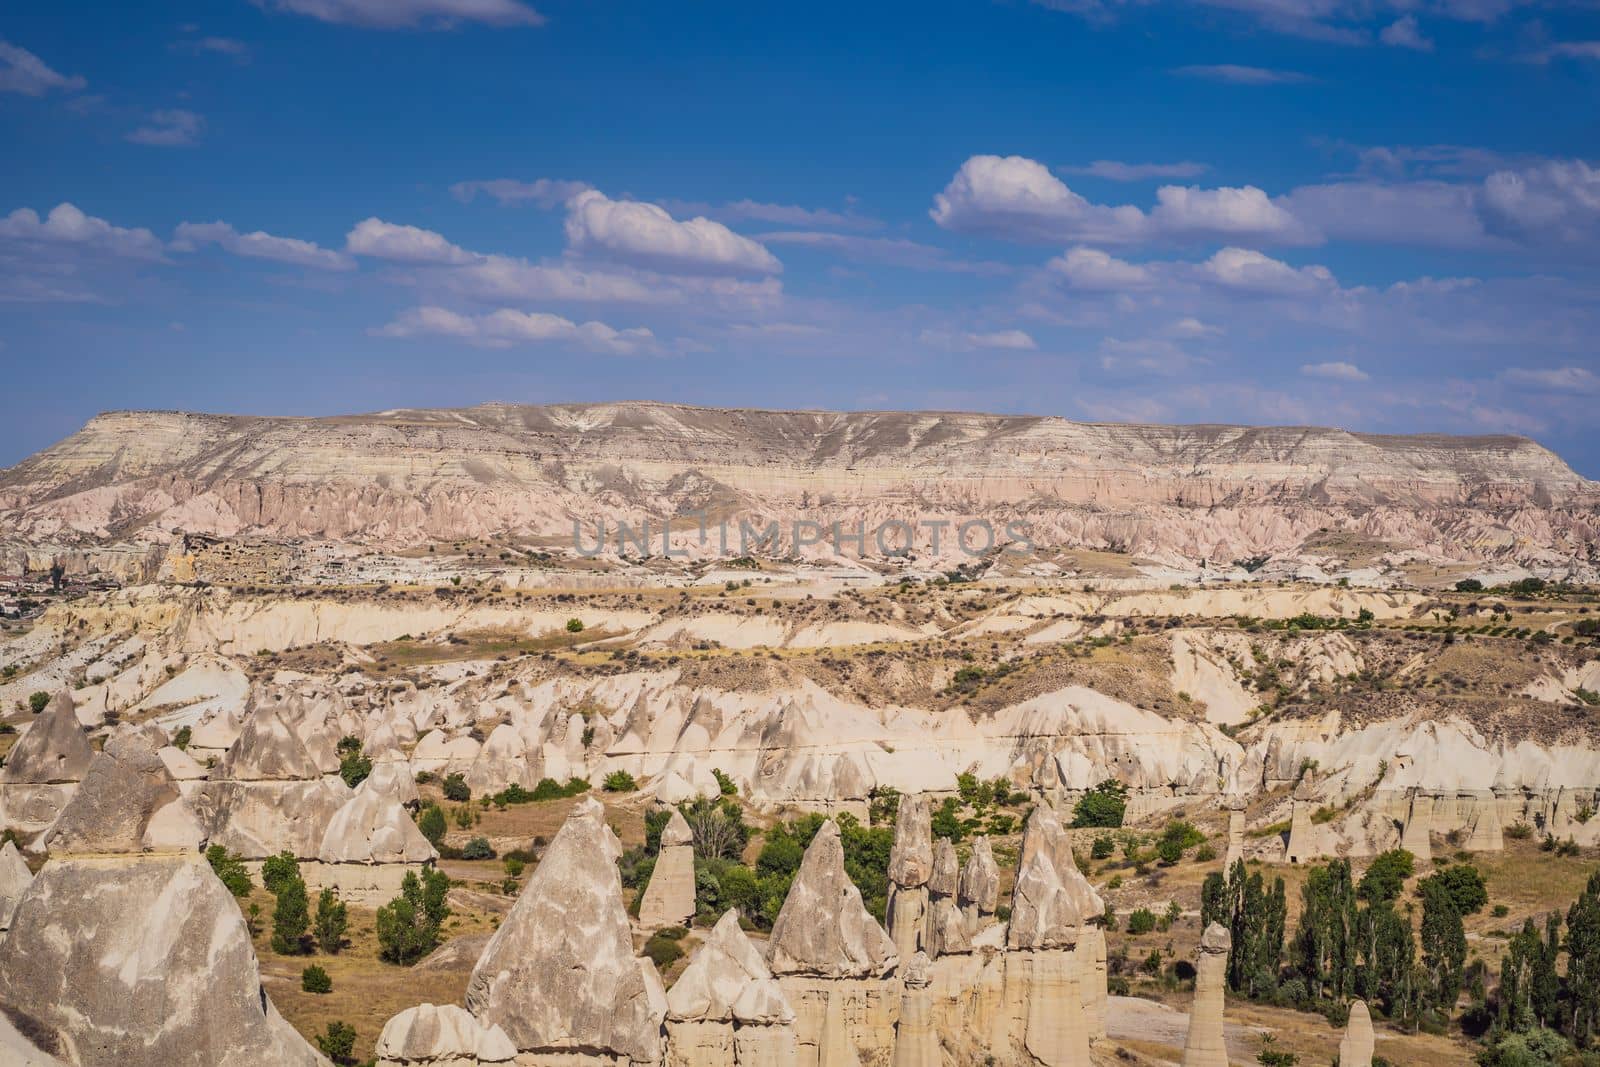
141	963
726	980
823	928
267	750
128	802
911	858
53	749
15	878
1045	909
1355	1048
669	898
559	975
1205	1045
978	889
372	827
441	1034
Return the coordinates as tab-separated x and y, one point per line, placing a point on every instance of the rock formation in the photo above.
910	867
726	1007
1307	838
141	963
916	1042
978	889
441	1036
43	768
559	975
823	929
127	802
1416	837
370	844
1206	1046
945	930
669	898
15	878
1234	805
1355	1048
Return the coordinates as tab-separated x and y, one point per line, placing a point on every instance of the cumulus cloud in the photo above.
543	192
644	235
961	341
1092	269
1243	270
403	244
23	72
1192	328
1116	171
69	226
399	14
507	326
1419	212
892	251
259	245
1235	74
1017	197
1404	32
1336	371
1555	202
172	128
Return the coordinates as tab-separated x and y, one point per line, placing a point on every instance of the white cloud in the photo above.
1192	328
1092	269
1235	74
259	245
1337	371
1245	271
403	244
1017	197
67	225
1421	212
1152	355
1569	50
1404	32
1116	171
23	72
1555	202
172	128
894	251
1226	213
1007	340
398	14
544	192
507	326
644	235
1555	379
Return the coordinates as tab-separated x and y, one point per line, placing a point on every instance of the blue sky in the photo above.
1379	215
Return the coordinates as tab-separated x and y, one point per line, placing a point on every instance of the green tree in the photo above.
354	766
431	823
331	922
37	702
1324	948
278	871
455	788
1465	886
291	918
230	868
338	1042
1444	944
574	626
408	926
619	782
315	980
1583	963
1104	805
1386	877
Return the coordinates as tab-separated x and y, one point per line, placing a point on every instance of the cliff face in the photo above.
400	477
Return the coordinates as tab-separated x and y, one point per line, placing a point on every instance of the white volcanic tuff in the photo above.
727	979
53	749
441	1034
142	963
14	881
403	477
372	827
128	802
823	928
560	974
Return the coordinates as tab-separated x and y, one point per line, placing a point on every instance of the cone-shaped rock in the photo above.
15	878
1044	833
677	831
1205	1046
372	827
560	974
1045	912
52	749
724	972
267	750
1355	1048
824	929
669	898
127	802
143	964
441	1034
946	875
978	889
911	858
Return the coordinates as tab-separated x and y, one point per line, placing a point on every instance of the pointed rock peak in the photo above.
1216	939
1045	836
946	868
1043	914
267	750
144	963
677	831
52	749
980	878
1306	787
719	976
824	929
15	878
372	827
125	787
559	974
442	1033
911	858
918	971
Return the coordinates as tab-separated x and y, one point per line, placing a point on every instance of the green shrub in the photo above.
37	702
338	1042
230	868
1465	886
574	626
478	849
331	922
1142	921
456	789
662	950
1104	805
408	926
278	871
514	866
431	823
1104	847
315	980
550	789
619	782
1386	877
291	918
180	740
727	786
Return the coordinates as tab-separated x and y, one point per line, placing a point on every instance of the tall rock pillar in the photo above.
1355	1050
669	898
916	1044
1205	1045
910	867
